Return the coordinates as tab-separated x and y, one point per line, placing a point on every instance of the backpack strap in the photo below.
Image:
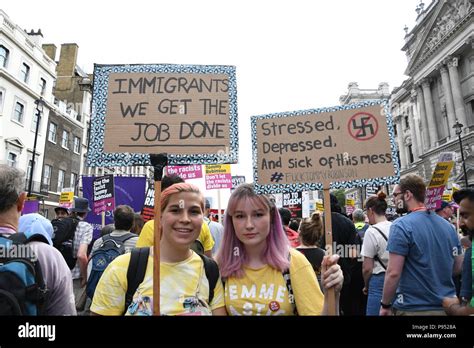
120	239
377	258
135	273
212	274
291	296
22	238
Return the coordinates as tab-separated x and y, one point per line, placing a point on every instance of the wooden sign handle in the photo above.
330	293
159	162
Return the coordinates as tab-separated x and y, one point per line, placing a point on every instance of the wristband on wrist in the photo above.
385	306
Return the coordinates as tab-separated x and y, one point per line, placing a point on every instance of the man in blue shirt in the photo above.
465	199
424	253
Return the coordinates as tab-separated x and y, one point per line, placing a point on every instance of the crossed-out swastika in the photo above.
363	126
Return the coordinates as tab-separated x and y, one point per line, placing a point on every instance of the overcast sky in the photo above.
290	55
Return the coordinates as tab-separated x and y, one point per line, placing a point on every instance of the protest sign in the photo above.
294	202
350	205
439	179
319	205
30	206
66	199
148	210
371	191
343	147
339	147
128	190
237	180
218	176
188	112
185	172
103	199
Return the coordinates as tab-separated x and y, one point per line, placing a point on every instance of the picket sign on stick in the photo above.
330	294
159	162
177	113
320	149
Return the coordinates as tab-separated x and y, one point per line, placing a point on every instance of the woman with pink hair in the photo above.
262	274
185	288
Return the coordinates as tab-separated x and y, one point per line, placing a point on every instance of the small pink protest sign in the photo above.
218	176
186	172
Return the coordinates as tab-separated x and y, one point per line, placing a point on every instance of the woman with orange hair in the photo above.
184	285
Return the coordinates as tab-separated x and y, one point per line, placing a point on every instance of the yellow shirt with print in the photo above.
146	236
184	289
263	291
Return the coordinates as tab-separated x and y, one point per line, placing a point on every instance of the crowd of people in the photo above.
258	262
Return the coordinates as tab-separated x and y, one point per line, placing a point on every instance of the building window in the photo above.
65	140
395	129
47	176
25	72
4	53
53	129
42	86
18	113
407	124
73	182
12	159
77	145
61	176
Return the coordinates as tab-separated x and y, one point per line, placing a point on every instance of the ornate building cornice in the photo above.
458	14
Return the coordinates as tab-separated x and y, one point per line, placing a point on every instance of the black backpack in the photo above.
110	248
22	287
63	238
137	268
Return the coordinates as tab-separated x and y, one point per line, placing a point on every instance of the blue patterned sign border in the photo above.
96	157
297	187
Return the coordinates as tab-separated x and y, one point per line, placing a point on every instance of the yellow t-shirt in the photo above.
184	289
146	236
263	291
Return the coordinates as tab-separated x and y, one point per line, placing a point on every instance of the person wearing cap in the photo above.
452	306
216	229
82	239
36	224
61	212
445	211
56	273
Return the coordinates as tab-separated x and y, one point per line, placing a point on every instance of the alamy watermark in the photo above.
14	251
37	331
350	251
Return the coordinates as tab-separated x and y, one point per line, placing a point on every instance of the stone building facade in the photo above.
439	92
27	76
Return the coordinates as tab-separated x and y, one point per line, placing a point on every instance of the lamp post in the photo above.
39	110
458	129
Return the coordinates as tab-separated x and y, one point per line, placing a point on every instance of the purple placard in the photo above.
186	172
30	207
433	197
128	190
